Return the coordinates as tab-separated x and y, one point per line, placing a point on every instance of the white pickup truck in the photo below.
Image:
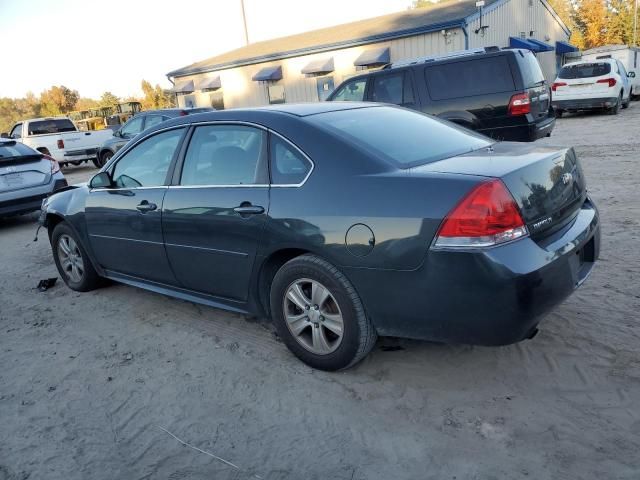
59	138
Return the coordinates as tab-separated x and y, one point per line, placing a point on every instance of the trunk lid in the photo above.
23	172
547	183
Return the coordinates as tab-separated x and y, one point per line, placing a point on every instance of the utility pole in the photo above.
244	22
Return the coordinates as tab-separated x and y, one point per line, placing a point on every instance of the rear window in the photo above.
43	127
401	137
469	78
531	71
15	149
585	70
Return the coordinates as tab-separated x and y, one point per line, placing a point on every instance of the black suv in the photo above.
136	125
500	93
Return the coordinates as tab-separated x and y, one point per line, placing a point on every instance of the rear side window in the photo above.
469	78
352	91
288	165
531	72
225	155
43	127
392	88
585	70
399	136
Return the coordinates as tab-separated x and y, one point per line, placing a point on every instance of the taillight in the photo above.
610	81
556	85
520	104
182	113
55	166
60	144
486	216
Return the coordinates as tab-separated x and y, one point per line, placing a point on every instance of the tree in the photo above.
423	3
58	100
108	99
155	97
86	103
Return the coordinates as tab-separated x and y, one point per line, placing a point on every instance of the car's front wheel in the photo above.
72	260
102	159
319	315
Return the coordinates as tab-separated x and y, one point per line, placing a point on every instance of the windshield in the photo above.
15	149
402	137
585	70
44	127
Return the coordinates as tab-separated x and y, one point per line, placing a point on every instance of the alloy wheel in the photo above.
313	316
70	258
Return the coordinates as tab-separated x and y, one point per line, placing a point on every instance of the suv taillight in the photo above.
520	104
60	144
556	85
610	81
486	216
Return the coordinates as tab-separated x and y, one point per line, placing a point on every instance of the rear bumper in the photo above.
79	155
490	297
29	199
585	103
523	133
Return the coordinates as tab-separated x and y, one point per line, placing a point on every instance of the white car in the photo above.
59	138
588	85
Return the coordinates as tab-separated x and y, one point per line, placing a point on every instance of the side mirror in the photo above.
631	74
101	180
4	135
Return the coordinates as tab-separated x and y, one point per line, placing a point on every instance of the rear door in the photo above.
395	86
215	211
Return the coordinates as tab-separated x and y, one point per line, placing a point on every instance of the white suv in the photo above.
587	85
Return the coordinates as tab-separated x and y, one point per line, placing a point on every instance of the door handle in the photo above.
247	209
144	206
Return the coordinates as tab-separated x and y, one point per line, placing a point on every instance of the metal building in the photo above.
306	67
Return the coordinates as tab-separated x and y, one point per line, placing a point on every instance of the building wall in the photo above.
240	91
514	18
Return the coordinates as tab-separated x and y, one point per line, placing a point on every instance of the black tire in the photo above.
90	279
101	160
626	104
358	335
76	162
559	113
616	108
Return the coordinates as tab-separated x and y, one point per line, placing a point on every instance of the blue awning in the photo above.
544	47
212	83
515	42
324	65
184	87
373	58
268	74
564	47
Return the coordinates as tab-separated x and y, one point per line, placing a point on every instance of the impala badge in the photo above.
567	178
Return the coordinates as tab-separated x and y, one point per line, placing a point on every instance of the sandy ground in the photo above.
89	381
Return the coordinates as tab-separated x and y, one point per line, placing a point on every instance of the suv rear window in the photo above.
585	70
398	136
531	72
469	77
43	127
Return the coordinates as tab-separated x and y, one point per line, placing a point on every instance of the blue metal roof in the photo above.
268	74
323	65
564	47
515	42
373	57
544	47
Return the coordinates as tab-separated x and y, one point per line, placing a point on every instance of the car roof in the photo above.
587	62
306	109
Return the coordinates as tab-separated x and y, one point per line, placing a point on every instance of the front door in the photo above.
214	216
124	222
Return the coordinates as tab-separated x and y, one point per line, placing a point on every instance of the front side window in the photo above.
225	155
132	127
288	165
17	131
147	164
352	91
153	120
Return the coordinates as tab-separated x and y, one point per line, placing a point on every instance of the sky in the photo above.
112	45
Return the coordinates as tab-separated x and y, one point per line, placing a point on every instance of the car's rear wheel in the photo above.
319	315
559	113
72	260
101	160
626	104
616	108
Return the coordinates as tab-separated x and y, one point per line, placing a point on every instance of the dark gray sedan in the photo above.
26	177
341	222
